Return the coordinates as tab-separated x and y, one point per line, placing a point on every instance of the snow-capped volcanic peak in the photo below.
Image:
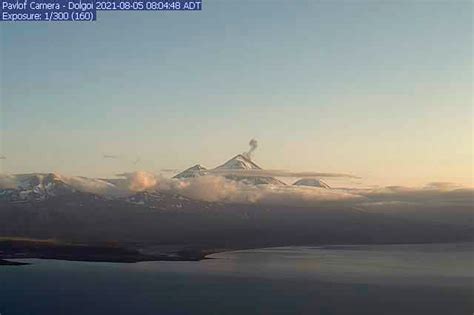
38	186
239	162
49	183
39	181
194	171
313	182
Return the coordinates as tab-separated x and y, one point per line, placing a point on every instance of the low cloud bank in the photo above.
8	182
218	189
431	194
277	173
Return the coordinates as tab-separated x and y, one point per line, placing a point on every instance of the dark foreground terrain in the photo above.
156	226
11	263
50	249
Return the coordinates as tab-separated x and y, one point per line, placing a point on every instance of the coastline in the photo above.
12	263
20	248
51	249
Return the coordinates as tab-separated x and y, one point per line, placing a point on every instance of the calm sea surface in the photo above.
385	279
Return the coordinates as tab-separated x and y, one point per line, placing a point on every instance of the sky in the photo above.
381	90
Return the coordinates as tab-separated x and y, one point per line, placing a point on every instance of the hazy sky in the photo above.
380	90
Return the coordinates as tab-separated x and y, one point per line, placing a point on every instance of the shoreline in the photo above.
4	262
50	249
12	249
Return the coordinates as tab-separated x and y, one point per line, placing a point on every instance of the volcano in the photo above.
313	182
238	162
241	162
36	187
193	171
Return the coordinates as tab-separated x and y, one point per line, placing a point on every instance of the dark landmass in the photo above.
12	263
156	226
50	249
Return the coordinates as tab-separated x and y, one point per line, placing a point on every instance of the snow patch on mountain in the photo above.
42	186
313	182
240	162
34	187
194	171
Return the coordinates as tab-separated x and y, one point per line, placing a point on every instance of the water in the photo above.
388	279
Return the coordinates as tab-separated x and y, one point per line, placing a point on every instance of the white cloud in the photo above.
219	189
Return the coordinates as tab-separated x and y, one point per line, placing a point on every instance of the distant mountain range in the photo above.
239	162
36	187
60	207
41	186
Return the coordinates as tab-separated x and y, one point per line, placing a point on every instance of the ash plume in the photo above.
253	146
